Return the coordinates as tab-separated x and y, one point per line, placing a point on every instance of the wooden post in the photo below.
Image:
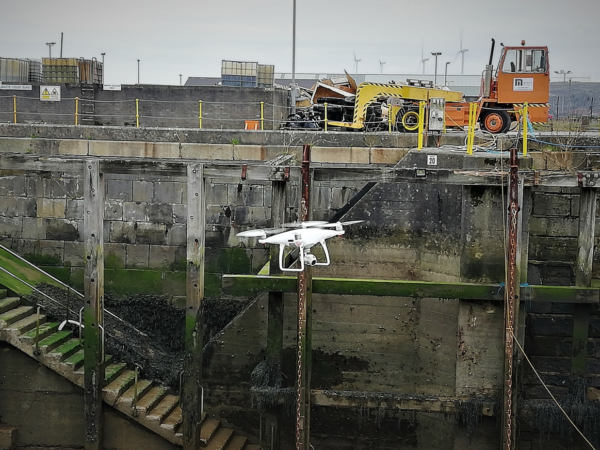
275	319
275	323
194	320
304	357
583	278
93	198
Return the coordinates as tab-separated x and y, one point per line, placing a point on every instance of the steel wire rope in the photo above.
550	393
105	101
195	102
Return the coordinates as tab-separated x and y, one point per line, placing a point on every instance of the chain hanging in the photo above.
511	290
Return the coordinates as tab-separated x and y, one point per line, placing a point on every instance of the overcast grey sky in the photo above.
193	37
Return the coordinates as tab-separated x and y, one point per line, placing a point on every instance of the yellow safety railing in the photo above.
199	113
76	110
262	116
326	121
266	115
421	124
471	128
525	117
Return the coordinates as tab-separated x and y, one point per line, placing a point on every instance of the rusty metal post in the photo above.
511	304
194	321
93	198
304	362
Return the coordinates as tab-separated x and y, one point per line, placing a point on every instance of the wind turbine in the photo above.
423	60
381	63
356	61
462	51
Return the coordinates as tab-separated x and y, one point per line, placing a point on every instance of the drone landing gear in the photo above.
305	258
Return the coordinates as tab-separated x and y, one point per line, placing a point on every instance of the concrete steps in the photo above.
150	405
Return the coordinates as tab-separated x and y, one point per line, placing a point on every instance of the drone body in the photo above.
303	238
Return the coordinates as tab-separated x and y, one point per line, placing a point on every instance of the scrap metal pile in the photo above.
343	105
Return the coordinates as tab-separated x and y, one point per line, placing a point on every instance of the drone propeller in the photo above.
307	224
261	233
319	224
335	224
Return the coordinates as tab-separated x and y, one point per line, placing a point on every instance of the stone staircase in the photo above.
154	407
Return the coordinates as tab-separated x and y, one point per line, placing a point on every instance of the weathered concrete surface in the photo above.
286	138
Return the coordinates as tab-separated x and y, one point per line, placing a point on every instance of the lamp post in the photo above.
138	72
436	54
563	73
446	73
179	79
103	72
50	44
293	92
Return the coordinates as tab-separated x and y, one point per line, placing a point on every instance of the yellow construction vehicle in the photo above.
522	75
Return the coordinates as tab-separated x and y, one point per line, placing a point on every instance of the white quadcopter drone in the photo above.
304	237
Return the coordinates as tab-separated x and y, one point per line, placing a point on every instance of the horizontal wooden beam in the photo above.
259	283
350	399
559	294
456	176
148	168
152	168
387	400
415	289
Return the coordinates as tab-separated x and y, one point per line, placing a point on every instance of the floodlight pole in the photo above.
446	74
293	90
50	44
103	71
436	54
563	73
304	357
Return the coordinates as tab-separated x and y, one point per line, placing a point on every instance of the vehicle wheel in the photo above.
496	121
407	120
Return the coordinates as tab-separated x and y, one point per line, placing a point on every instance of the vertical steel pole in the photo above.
304	363
194	321
262	116
294	61
93	193
14	109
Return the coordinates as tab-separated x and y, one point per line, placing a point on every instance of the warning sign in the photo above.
50	93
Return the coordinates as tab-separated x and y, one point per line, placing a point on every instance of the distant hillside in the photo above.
575	99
